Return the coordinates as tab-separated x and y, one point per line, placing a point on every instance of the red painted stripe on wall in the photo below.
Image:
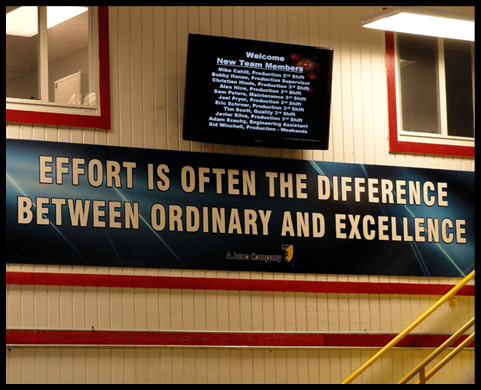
218	339
190	283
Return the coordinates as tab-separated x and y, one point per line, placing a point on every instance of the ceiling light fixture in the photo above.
423	21
23	21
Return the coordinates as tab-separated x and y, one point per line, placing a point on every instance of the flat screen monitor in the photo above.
255	93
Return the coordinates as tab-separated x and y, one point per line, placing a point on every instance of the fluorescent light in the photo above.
57	15
23	21
423	21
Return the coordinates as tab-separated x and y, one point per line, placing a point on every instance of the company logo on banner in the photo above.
72	204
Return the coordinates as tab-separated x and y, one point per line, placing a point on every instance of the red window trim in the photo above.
101	121
411	147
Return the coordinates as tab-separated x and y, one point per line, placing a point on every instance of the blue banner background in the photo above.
64	244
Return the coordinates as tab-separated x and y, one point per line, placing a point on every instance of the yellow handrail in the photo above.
421	366
406	331
447	359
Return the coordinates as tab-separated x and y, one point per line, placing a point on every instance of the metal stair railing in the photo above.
406	331
421	367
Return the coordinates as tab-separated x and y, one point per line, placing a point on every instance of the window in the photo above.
430	95
57	65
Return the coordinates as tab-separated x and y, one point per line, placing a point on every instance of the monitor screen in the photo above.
245	92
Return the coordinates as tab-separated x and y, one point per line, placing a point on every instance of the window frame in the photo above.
17	112
409	142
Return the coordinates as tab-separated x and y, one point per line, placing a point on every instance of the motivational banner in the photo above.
71	204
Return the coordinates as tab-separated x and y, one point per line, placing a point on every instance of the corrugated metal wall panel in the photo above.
214	365
103	308
147	59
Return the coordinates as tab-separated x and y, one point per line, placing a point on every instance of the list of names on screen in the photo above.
250	99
